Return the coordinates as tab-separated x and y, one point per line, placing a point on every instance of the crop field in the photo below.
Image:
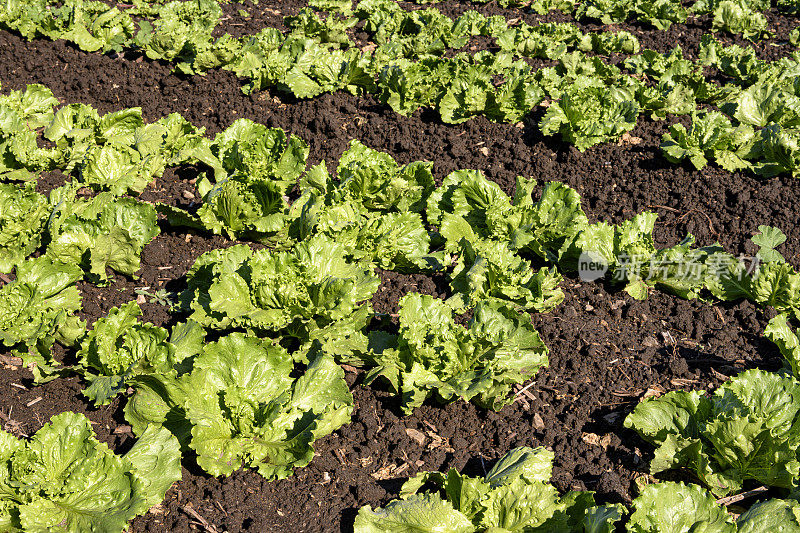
383	266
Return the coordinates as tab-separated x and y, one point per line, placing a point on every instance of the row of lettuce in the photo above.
417	59
250	377
745	17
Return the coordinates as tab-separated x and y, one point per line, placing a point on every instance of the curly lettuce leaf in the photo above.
670	507
257	152
64	478
119	347
425	513
23	215
514	496
102	233
432	355
746	430
39	307
738	17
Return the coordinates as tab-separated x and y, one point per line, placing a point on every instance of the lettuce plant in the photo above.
777	151
241	404
101	233
590	113
255	167
514	496
738	17
374	210
39	307
766	103
311	292
671	507
119	347
748	429
179	32
63	478
92	26
21	114
711	136
23	215
432	355
488	270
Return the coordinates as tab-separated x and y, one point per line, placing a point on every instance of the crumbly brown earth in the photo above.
606	350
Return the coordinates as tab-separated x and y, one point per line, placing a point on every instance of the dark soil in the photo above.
606	350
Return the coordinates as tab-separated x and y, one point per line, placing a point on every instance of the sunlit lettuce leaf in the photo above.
119	347
242	405
770	515
259	153
676	508
63	478
39	307
781	333
426	513
514	496
22	113
747	430
23	214
432	355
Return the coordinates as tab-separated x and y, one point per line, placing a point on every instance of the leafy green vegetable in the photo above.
770	515
374	210
747	430
434	355
38	308
182	31
514	496
240	405
589	112
777	151
119	347
100	233
23	215
118	152
711	136
780	332
64	478
765	283
254	168
659	13
307	292
736	16
675	508
253	151
766	103
93	26
489	270
767	240
21	113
